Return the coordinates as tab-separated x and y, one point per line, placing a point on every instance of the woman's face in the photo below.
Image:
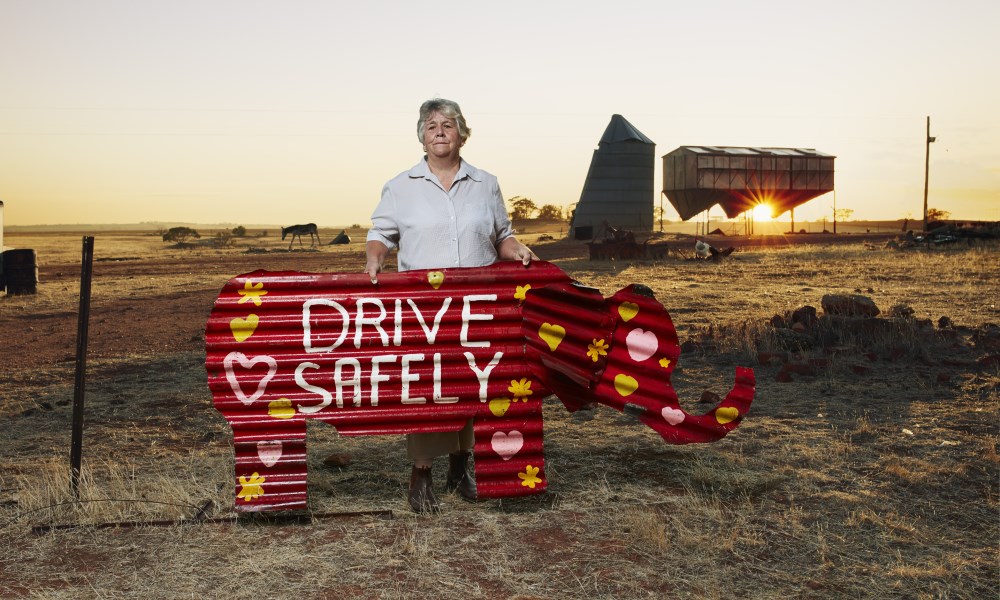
441	137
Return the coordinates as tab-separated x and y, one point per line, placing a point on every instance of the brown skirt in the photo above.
426	446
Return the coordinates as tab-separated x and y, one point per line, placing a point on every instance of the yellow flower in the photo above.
252	488
530	477
520	389
597	349
521	291
252	291
665	363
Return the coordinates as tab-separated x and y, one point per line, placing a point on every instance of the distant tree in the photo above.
239	231
222	239
843	214
521	208
180	234
658	213
550	211
936	214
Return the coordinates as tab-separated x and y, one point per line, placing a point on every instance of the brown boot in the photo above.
422	491
460	476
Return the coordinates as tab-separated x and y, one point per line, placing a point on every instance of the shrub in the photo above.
179	234
223	239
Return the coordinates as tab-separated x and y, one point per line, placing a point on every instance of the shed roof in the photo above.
751	151
620	130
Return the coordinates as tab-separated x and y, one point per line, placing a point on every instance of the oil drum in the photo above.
21	271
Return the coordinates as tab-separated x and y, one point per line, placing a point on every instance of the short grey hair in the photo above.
448	108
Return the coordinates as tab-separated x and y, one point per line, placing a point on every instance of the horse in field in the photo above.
299	231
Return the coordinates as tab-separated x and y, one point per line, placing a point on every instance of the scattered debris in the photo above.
947	234
850	305
709	397
621	244
338	461
987	338
341	238
704	250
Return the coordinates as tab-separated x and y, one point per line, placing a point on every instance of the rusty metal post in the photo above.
76	449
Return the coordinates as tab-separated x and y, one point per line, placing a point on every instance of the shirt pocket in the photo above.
477	220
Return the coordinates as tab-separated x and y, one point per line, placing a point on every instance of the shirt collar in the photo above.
421	170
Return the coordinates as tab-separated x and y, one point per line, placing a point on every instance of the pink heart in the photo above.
507	444
269	451
674	416
641	344
234	381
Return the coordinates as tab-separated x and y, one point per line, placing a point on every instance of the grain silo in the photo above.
619	187
695	178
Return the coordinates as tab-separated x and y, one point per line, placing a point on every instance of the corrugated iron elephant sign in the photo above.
427	351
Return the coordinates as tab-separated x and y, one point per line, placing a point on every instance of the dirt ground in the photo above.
867	468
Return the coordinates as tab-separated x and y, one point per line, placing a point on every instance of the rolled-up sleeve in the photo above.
384	227
501	222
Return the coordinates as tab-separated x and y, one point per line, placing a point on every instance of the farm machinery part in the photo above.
620	244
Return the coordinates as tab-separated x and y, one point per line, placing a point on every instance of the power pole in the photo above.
835	211
927	164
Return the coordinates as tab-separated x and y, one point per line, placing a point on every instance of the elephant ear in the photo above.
566	329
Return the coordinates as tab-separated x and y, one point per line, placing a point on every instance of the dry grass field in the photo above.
867	469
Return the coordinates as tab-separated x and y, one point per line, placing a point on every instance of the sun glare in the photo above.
762	212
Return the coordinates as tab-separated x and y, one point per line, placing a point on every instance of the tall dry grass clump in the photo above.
109	492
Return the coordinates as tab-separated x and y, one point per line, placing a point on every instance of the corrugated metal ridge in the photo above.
751	150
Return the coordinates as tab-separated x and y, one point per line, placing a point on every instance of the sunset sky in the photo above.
289	112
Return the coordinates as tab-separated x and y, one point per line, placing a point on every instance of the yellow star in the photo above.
597	349
519	294
665	363
520	389
252	488
530	478
252	291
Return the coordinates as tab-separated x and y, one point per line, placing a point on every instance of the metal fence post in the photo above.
76	450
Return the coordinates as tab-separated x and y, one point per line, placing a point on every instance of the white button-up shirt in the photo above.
435	229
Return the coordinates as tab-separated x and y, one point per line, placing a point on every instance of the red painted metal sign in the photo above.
427	351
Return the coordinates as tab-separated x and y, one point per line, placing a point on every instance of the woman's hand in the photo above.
376	252
524	254
512	249
373	268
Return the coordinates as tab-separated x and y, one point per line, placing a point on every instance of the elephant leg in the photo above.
271	468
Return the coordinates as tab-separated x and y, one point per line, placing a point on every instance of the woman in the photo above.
441	213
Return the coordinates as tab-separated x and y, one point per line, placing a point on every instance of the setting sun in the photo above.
762	212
